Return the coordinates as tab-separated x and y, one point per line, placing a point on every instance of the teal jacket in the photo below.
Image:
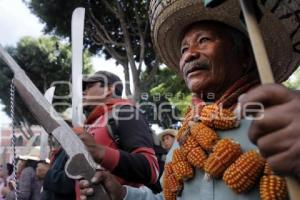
200	189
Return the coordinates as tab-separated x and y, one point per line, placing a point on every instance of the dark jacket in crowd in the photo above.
57	185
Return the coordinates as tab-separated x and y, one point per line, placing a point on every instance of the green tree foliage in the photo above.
119	29
169	94
44	60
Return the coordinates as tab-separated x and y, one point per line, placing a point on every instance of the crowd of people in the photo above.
28	180
115	133
219	153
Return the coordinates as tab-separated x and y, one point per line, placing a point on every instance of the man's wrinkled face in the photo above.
207	62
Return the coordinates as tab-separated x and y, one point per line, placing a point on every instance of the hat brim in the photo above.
26	157
91	79
169	21
167	132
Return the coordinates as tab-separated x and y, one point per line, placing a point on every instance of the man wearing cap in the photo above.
167	138
118	136
212	157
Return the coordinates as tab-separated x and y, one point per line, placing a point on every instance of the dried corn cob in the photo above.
168	168
188	145
182	130
215	116
224	154
268	170
171	183
197	157
188	110
273	187
183	170
204	135
178	156
242	175
169	195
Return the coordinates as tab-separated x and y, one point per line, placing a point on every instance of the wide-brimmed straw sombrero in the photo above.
171	132
34	154
279	25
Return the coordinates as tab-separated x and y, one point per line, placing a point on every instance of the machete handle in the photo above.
77	167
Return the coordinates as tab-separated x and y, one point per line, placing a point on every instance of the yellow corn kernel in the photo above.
205	136
268	170
183	129
217	117
168	168
197	157
169	195
188	111
273	187
171	183
183	170
242	175
224	154
188	145
178	156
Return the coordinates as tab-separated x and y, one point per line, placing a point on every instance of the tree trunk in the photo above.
129	53
151	75
137	91
127	80
102	36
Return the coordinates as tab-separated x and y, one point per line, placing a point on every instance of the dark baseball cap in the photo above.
103	77
106	79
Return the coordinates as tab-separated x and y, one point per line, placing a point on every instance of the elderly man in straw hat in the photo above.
212	158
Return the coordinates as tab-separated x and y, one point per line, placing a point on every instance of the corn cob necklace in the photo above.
201	147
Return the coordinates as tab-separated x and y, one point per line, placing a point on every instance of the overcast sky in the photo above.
17	21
